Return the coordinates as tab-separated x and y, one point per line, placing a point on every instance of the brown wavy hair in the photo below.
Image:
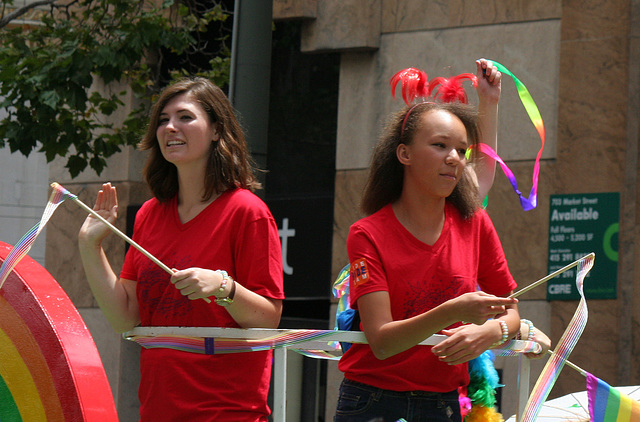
386	174
229	164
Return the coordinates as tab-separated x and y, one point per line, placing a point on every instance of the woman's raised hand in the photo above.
93	230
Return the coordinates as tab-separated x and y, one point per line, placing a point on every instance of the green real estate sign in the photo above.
578	225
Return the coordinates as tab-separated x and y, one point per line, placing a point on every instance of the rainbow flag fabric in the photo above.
608	404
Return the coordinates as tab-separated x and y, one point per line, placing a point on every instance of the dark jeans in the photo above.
363	403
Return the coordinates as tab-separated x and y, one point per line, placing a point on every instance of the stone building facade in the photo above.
579	60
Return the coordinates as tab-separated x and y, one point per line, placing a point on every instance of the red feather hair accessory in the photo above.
414	84
450	89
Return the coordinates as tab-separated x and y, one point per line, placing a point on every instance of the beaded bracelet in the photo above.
505	334
532	335
226	301
225	280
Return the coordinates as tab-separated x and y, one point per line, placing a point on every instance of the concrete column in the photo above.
250	71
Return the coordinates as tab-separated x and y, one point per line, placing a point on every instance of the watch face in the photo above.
224	301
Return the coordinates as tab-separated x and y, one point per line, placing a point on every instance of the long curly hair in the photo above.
229	164
386	174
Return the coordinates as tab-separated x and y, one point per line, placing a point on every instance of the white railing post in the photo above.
524	372
280	385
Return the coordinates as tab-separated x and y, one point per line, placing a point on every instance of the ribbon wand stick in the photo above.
117	231
550	276
58	187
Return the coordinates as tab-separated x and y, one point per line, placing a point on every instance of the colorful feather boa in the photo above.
478	405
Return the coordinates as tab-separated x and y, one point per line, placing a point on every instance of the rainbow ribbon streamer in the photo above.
513	348
341	291
211	346
534	114
287	339
565	346
58	196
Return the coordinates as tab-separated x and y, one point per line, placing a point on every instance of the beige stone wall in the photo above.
62	259
580	61
598	151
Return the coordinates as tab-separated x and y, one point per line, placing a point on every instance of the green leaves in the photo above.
49	74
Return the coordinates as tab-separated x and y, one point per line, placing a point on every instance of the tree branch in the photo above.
23	10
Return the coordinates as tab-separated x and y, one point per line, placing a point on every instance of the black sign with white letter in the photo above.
305	226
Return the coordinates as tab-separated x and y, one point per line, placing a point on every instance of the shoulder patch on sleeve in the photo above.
359	272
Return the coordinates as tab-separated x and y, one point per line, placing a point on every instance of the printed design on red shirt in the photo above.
422	296
156	290
359	272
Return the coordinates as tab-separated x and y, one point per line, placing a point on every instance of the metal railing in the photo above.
282	340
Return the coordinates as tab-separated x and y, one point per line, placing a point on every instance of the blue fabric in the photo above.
345	322
209	347
345	319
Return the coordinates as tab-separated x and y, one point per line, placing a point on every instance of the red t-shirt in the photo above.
385	256
235	233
